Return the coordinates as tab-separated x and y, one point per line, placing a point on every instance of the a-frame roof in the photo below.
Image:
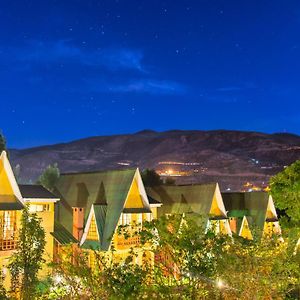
184	198
249	204
107	191
10	196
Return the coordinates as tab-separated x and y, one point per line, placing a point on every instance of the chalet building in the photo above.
94	204
13	198
11	204
42	202
251	214
204	200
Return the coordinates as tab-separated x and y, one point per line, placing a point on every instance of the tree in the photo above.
49	177
190	264
2	143
26	262
285	189
151	178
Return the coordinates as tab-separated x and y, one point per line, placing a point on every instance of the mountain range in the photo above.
231	158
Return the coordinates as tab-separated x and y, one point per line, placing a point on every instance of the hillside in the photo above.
229	157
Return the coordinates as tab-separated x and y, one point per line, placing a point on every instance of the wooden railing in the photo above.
123	242
6	245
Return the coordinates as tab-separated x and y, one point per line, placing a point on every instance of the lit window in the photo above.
33	208
8	231
126	219
139	219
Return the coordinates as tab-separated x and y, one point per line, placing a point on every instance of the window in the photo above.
139	219
148	217
126	219
8	230
35	208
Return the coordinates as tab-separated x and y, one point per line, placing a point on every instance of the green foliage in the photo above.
151	178
285	189
3	292
26	262
190	264
2	142
49	177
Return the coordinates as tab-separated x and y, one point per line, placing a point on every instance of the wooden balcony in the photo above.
7	245
125	243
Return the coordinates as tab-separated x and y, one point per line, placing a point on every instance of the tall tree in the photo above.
2	142
28	259
285	189
49	177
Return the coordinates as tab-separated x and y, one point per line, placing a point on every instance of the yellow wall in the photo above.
6	188
271	228
215	210
134	199
245	231
47	222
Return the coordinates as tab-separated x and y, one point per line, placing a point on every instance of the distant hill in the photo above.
229	157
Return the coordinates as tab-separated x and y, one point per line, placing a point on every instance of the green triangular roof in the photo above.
95	188
184	198
253	205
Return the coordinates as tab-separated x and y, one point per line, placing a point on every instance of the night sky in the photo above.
73	69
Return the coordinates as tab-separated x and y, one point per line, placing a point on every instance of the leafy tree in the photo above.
285	189
151	178
26	262
49	177
3	146
3	292
190	264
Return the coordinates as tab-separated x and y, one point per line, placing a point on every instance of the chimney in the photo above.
233	224
78	222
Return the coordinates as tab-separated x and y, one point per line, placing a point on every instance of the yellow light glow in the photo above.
220	283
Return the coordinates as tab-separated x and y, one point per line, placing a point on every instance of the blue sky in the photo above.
72	69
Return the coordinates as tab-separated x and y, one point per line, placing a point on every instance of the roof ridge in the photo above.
97	171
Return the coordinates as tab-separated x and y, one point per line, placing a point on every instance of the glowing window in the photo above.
35	208
139	219
126	219
8	230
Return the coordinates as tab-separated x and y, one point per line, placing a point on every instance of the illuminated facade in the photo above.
95	204
252	214
13	197
41	202
202	200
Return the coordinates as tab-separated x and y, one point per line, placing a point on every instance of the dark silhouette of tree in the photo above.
3	146
151	178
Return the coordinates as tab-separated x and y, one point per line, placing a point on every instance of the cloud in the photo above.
62	51
150	86
130	73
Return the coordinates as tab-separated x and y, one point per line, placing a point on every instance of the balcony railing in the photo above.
6	245
123	242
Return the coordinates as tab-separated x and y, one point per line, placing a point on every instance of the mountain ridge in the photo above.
230	157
